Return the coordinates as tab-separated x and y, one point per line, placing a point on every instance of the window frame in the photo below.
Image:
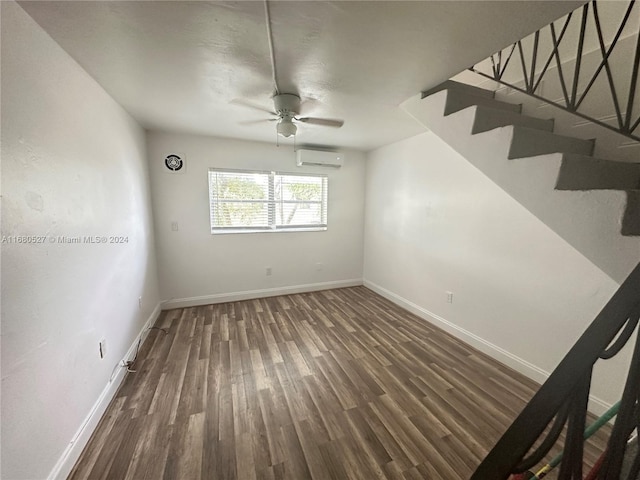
272	203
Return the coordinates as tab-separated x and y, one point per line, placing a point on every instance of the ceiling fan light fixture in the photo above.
286	128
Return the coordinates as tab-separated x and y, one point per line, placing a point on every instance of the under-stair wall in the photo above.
435	224
529	162
529	240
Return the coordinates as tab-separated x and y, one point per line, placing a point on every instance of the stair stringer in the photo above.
590	221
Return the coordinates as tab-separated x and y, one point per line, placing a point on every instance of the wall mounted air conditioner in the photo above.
319	158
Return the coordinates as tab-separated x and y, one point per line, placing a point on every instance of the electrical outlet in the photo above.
102	346
139	302
319	267
174	226
449	297
268	271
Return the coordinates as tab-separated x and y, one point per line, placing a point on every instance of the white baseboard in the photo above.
596	405
71	454
251	294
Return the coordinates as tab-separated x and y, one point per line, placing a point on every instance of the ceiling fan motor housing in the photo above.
287	104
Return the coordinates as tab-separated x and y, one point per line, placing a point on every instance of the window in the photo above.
243	201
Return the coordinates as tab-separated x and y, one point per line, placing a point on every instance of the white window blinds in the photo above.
243	201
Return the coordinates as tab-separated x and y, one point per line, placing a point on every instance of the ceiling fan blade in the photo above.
254	122
325	122
248	104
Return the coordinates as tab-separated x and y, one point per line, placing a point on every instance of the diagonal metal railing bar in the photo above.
559	65
623	106
524	67
605	58
493	66
555	48
506	63
634	126
633	85
576	70
534	56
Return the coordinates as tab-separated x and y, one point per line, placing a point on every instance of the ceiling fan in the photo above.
286	106
286	111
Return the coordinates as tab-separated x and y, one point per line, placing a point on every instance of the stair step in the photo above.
529	142
451	84
489	118
631	217
459	100
579	172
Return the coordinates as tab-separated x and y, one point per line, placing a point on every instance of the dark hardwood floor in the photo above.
339	384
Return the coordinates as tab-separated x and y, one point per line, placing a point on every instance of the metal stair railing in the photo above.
526	74
562	400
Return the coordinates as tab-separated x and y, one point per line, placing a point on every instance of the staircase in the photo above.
593	203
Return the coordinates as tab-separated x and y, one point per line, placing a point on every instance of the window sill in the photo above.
278	230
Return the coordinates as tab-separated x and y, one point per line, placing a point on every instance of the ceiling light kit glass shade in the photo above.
286	128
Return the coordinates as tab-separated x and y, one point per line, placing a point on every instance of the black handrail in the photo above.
528	81
565	394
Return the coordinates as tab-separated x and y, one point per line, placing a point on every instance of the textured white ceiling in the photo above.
177	65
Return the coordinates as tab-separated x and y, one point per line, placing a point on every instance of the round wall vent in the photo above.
174	162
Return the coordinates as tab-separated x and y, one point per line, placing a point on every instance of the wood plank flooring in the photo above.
339	384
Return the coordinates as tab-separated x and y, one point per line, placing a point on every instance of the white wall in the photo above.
197	267
73	164
434	223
